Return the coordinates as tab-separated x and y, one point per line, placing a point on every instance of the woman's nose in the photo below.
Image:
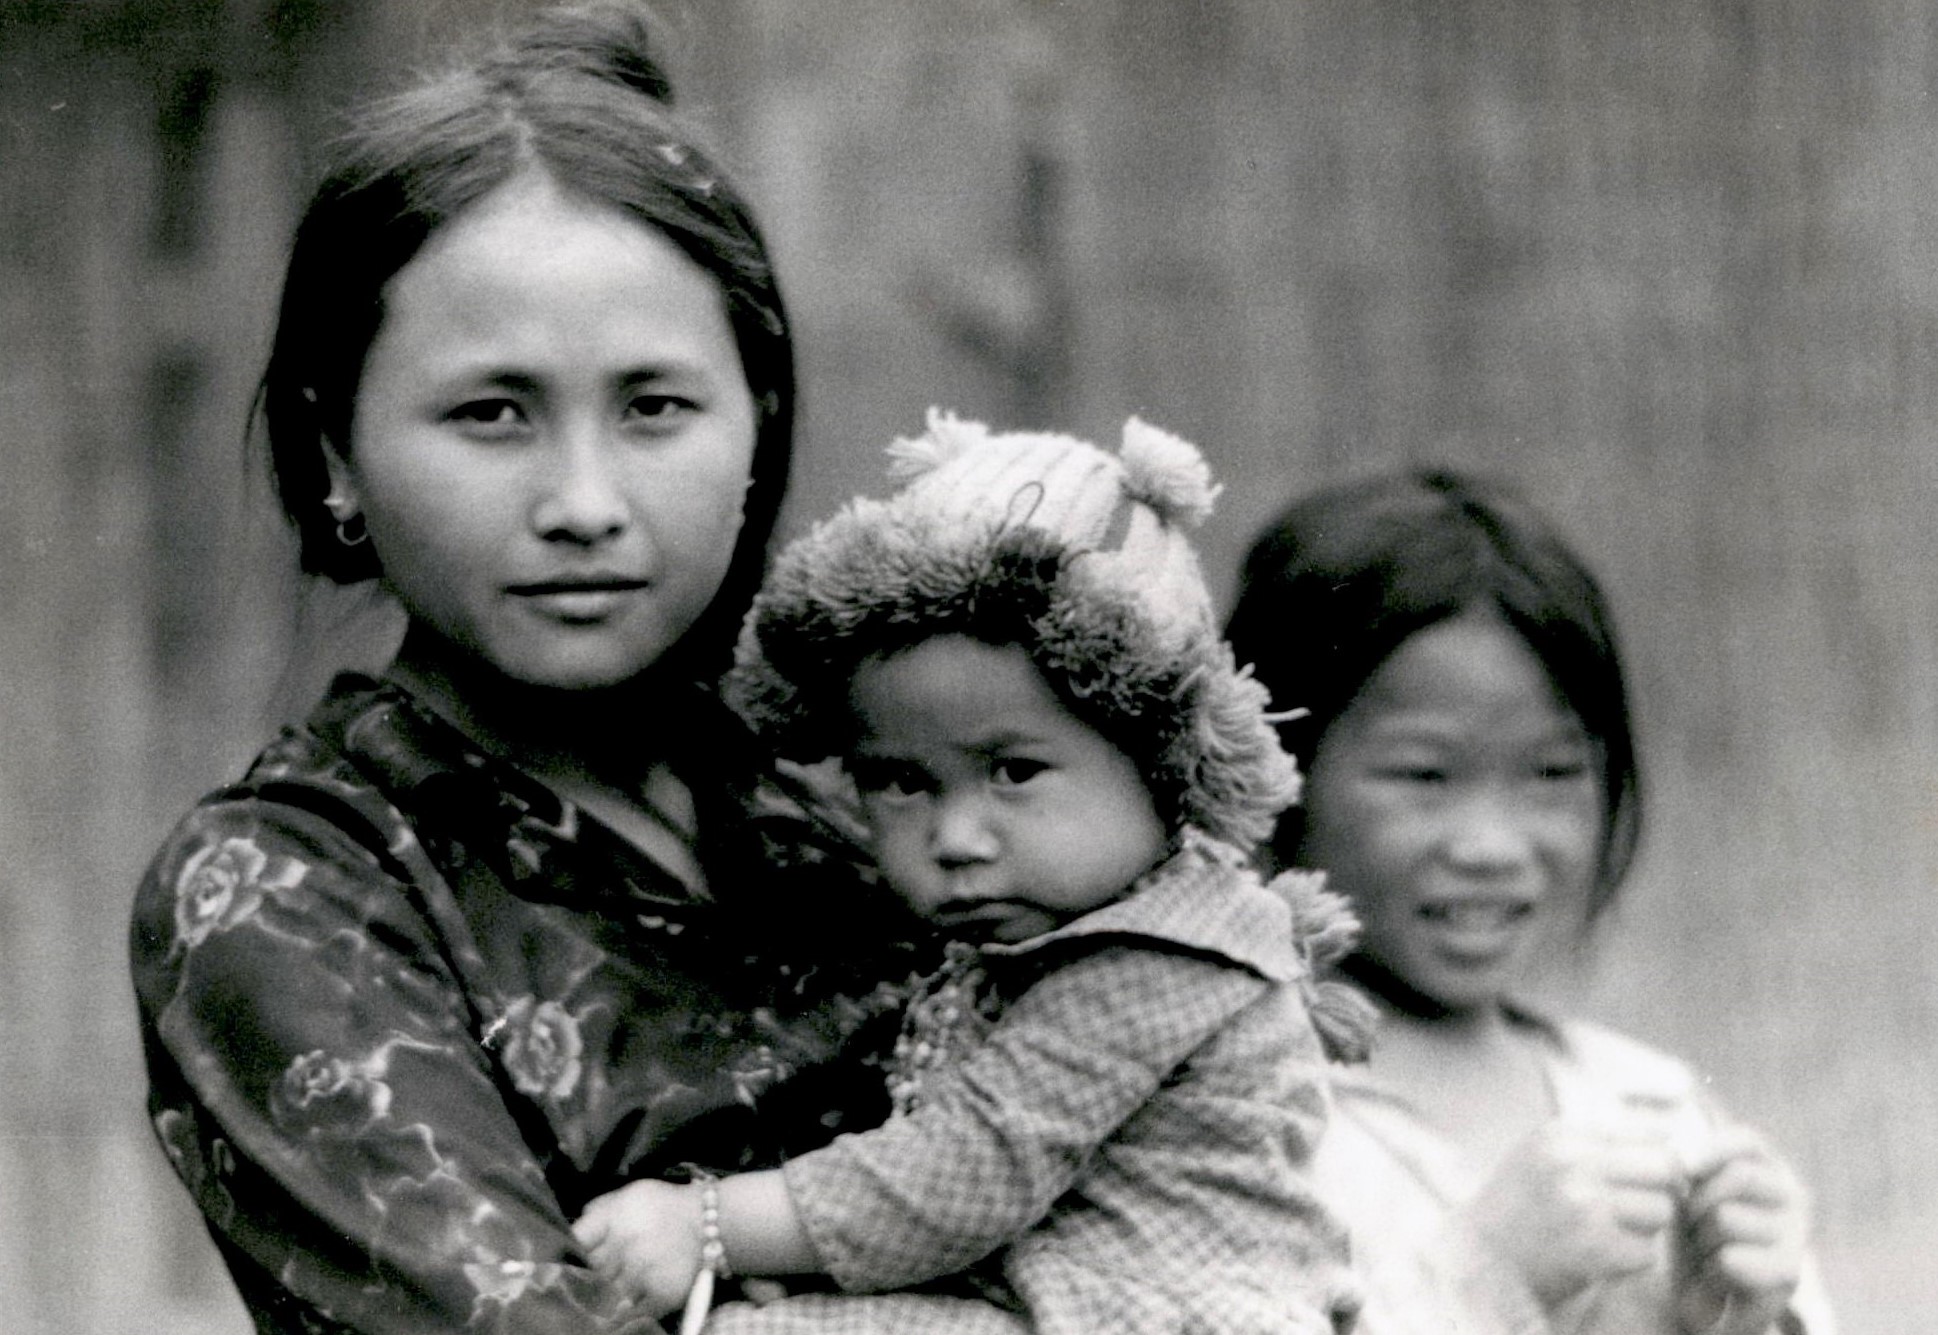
580	498
961	835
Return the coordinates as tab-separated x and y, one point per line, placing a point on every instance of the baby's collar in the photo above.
1204	898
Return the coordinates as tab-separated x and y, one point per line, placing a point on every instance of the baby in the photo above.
1106	1100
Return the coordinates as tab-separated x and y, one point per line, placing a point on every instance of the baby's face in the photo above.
995	810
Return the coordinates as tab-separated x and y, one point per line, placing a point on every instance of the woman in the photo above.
492	934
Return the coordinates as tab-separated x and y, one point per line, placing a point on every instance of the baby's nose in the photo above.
962	835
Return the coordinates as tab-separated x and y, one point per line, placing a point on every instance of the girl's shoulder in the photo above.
1609	1055
1597	1072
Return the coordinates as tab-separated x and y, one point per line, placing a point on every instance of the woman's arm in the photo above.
320	1085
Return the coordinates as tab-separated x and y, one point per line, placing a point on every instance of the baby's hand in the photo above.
645	1238
1747	1220
1573	1204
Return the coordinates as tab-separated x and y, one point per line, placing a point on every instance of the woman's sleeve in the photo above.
1002	1136
321	1088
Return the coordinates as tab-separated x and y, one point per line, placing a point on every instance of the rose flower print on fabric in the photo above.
540	1045
223	885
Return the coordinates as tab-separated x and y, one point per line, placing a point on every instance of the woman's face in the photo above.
1458	803
552	438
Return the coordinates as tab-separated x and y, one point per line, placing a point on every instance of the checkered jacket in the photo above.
1128	1146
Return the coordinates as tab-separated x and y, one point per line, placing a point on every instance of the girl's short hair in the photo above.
580	96
1342	578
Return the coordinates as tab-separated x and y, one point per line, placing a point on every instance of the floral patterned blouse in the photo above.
405	1011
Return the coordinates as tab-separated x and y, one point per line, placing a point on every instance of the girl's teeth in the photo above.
1475	916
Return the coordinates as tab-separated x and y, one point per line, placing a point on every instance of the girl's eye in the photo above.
1564	771
1014	771
488	417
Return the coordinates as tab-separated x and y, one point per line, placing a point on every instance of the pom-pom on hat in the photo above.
1077	555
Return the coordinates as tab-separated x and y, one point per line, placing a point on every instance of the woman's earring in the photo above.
351	530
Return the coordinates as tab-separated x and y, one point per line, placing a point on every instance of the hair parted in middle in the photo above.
1077	556
576	94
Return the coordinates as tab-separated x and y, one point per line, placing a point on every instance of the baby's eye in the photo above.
1014	771
1414	773
488	418
1563	771
888	778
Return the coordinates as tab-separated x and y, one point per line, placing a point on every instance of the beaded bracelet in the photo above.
713	1252
713	1256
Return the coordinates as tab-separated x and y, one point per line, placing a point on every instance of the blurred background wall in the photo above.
1671	267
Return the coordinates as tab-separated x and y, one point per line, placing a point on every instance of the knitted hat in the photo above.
1044	541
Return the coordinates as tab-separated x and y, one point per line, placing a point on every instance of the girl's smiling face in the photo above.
551	440
1458	802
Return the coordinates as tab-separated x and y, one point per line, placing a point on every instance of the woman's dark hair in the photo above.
1341	579
580	97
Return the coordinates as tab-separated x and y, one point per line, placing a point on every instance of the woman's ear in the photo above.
342	501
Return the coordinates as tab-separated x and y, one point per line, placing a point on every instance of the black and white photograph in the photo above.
986	667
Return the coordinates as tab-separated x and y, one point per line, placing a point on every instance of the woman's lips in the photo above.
579	600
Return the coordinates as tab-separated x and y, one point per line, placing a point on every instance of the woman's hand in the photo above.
645	1237
1746	1222
1576	1203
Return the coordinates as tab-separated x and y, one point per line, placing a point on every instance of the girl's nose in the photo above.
1489	835
961	835
580	498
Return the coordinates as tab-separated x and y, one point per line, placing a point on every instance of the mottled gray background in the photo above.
1669	266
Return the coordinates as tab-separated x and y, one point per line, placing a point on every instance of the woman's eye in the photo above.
1013	771
658	409
488	417
1564	771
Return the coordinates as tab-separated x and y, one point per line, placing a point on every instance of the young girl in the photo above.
1472	790
1115	1083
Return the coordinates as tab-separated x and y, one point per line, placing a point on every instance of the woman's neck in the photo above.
594	736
